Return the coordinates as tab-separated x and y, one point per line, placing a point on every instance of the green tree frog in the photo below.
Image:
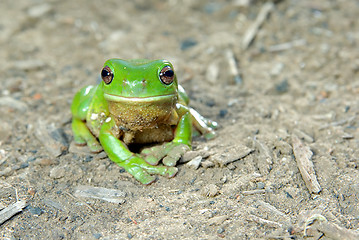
138	102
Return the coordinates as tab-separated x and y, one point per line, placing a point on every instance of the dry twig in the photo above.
259	220
303	156
287	45
265	159
253	29
330	230
233	66
12	210
109	195
252	192
87	205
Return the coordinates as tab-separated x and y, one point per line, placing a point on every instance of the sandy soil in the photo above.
297	84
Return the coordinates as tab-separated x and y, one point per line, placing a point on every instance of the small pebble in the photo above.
88	158
57	172
44	161
24	165
31	159
282	87
277	69
34	210
207	164
260	185
39	10
223	113
195	162
188	43
97	235
217	220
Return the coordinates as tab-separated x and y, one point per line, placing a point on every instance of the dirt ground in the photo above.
296	82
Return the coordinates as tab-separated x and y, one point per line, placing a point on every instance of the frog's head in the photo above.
138	79
140	93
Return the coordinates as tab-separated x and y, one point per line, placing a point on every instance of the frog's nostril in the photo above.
144	82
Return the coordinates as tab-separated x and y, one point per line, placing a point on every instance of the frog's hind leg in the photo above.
82	136
205	126
79	109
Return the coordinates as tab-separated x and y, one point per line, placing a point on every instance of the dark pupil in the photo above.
169	73
105	73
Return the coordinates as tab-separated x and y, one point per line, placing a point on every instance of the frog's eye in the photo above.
107	74
167	75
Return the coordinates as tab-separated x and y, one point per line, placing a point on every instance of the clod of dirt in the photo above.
232	154
58	172
210	190
217	220
5	131
53	139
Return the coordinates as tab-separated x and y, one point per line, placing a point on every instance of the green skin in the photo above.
136	107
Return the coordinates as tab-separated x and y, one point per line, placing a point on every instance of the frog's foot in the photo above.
79	141
94	146
211	124
205	126
210	135
83	136
175	154
169	153
143	171
92	143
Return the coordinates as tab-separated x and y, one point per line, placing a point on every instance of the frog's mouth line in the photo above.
160	98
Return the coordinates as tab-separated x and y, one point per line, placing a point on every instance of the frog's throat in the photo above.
152	99
143	113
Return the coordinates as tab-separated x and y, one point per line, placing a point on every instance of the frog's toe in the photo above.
152	160
175	154
139	169
95	146
146	179
212	124
210	135
79	141
171	172
154	154
170	161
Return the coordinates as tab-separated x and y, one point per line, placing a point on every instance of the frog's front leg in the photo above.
171	152
134	164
